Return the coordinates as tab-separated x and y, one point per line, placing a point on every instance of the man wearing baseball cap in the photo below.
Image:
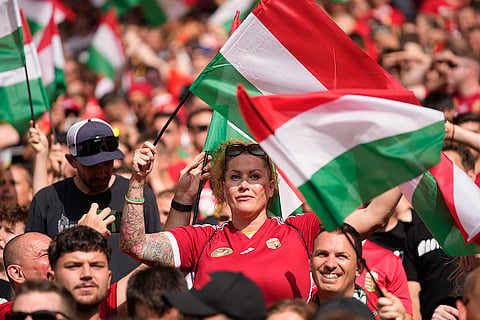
222	295
92	147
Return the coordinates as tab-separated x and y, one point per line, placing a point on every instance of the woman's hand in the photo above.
190	177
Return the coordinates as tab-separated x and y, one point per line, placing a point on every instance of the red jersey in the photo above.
389	273
467	104
276	257
108	308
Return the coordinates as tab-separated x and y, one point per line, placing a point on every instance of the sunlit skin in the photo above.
85	275
247	190
334	266
7	232
35	301
35	264
8	193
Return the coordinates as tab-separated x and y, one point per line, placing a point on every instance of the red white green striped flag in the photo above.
225	13
52	60
286	46
106	53
38	13
159	11
341	148
447	201
16	50
120	5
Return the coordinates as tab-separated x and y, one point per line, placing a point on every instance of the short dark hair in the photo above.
466	156
148	286
439	100
350	231
466	117
78	238
42	285
13	214
195	112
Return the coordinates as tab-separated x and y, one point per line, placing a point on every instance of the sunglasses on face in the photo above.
96	145
234	150
37	315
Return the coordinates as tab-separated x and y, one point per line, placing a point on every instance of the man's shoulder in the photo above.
55	188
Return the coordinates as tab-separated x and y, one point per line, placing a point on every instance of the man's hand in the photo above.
99	221
142	163
37	140
390	307
444	312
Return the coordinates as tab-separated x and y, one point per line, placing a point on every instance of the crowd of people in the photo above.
96	221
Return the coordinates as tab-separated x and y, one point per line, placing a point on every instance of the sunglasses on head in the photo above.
36	315
96	145
237	149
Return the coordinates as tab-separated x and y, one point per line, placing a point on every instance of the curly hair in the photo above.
220	162
13	214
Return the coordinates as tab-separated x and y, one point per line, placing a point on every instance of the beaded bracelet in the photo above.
128	200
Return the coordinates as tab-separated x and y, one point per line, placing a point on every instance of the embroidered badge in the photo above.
273	243
220	252
369	285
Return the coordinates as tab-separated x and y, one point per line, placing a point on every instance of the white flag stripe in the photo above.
228	9
6	15
105	42
466	194
173	9
37	11
271	59
33	65
12	77
59	59
48	73
363	119
289	201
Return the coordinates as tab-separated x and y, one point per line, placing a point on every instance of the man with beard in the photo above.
79	259
93	147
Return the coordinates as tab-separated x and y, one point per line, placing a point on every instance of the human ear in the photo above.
71	160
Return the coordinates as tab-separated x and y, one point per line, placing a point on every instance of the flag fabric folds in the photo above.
341	148
17	49
159	11
447	201
267	56
106	54
52	60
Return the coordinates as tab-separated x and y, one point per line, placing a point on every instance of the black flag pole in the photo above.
165	126
196	202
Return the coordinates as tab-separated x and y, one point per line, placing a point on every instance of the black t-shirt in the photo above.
6	291
426	263
393	240
61	205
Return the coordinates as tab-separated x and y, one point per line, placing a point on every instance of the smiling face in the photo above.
334	265
247	185
85	275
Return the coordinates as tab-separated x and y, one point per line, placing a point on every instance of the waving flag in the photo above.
106	54
448	201
120	5
159	11
267	56
18	50
52	60
38	13
341	148
224	14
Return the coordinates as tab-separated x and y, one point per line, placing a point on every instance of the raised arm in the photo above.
376	214
39	143
133	239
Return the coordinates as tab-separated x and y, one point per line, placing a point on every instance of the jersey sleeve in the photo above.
397	283
108	307
308	224
188	243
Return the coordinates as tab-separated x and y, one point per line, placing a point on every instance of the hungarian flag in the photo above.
447	201
225	13
341	148
120	5
18	50
52	60
106	54
159	11
269	56
38	13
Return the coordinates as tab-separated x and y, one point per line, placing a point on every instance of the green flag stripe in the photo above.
153	13
430	204
217	86
17	110
10	54
343	178
100	64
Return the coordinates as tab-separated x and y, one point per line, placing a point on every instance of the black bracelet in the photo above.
181	207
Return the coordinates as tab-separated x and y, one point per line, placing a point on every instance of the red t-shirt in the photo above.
389	273
467	104
275	257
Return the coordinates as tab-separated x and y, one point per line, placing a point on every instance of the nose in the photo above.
244	185
86	272
330	263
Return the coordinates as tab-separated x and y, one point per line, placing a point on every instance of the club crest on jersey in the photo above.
221	252
369	284
273	243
